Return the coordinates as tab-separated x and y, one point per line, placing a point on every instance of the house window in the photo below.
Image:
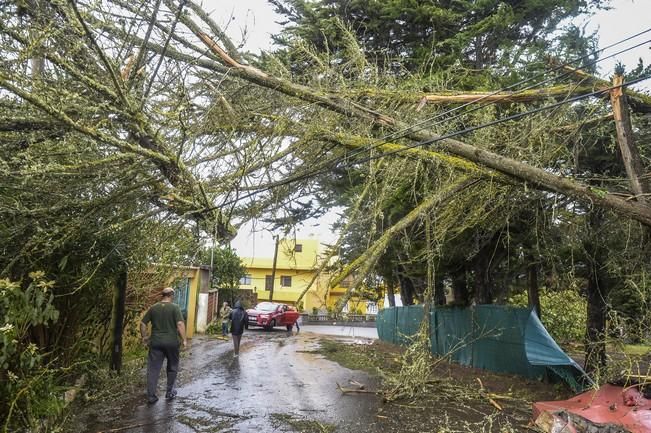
298	248
285	281
245	280
268	282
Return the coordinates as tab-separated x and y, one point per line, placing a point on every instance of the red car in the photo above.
270	314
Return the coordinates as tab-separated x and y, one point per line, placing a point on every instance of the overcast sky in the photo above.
251	22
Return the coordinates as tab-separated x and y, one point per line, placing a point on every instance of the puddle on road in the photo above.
275	376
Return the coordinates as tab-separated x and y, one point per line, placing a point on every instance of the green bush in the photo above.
215	327
563	313
27	382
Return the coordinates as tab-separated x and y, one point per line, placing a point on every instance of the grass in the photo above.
357	357
636	349
462	404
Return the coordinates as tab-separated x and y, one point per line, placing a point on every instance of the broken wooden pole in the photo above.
628	149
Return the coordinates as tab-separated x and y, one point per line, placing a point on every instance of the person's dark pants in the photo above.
236	343
155	362
224	329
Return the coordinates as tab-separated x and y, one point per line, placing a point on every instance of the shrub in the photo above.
27	382
563	313
214	328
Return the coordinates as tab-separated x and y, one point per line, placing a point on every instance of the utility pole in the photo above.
628	150
273	270
215	302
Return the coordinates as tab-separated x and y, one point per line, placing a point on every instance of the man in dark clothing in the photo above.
166	327
238	319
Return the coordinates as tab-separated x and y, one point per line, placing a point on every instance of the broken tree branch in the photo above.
517	169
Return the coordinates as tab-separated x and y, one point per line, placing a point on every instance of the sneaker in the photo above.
236	355
152	400
170	395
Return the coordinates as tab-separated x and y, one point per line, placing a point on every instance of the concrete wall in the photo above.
202	312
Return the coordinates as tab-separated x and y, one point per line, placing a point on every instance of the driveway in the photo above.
276	377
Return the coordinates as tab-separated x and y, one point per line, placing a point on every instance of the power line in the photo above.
539	75
331	163
403	132
508	118
400	134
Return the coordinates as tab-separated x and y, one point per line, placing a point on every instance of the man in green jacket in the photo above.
166	327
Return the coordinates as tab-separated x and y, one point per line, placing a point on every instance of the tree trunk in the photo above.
482	281
595	348
117	322
532	286
460	290
456	97
439	291
597	293
406	287
390	294
628	150
519	170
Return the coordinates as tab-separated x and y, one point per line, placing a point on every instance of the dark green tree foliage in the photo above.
227	267
467	45
80	203
524	239
430	35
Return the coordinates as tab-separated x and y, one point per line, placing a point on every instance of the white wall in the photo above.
202	312
398	301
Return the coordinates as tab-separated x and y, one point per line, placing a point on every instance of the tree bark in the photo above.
439	291
533	293
455	97
639	101
597	293
390	294
628	149
117	322
482	281
517	169
460	289
406	287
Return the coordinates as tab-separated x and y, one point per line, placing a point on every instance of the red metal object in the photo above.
610	404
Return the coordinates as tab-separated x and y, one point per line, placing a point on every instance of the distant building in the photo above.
297	264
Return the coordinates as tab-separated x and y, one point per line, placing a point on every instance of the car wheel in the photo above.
289	327
272	324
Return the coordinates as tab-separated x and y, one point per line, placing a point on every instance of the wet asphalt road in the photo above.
274	374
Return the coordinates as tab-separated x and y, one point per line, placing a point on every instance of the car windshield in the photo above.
266	306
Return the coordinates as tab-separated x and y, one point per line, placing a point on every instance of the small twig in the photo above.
488	396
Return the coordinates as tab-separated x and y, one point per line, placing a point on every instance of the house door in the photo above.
181	295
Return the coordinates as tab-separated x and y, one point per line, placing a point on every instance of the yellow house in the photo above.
297	263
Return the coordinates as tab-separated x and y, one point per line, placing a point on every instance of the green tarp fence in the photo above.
492	337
